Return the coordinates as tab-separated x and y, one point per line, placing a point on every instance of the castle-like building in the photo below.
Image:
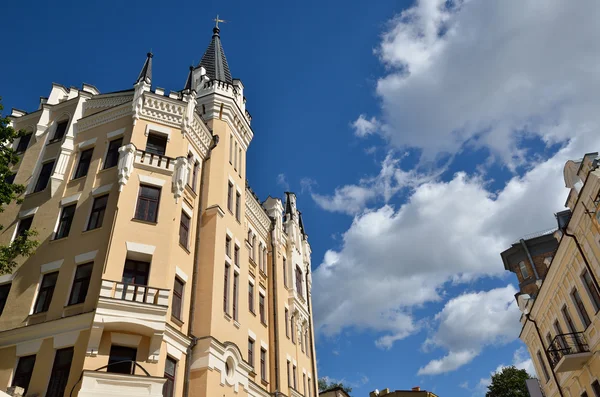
158	271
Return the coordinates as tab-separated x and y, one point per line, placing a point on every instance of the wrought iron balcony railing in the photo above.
567	344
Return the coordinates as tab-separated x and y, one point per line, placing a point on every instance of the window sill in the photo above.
52	141
262	273
55	240
184	248
264	324
177	321
91	230
264	382
237	325
227	316
34	193
144	221
252	373
191	190
78	179
107	169
73	305
252	312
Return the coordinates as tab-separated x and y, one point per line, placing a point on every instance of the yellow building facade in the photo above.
159	272
559	296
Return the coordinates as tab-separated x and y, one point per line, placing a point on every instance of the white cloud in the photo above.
468	323
282	181
363	126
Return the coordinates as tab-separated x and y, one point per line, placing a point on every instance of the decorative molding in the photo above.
162	109
116	133
215	209
180	177
28	213
103	117
160	129
101	190
187	209
70	200
51	266
125	339
87	143
257	215
252	335
150	180
125	164
181	274
140	248
85	257
66	339
107	102
29	347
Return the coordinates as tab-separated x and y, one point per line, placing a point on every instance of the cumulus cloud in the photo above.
282	181
363	126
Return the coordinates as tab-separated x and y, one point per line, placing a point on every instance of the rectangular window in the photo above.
288	374
65	221
170	368
251	352
302	342
294	372
112	154
285	273
45	294
81	283
236	279
136	272
4	290
309	388
226	289
568	319
184	229
591	289
251	297
177	298
596	388
307	344
287	322
23	143
195	175
84	163
299	280
293	330
97	214
236	255
228	246
156	144
23	372
230	149
304	383
585	318
543	366
230	197
60	372
61	129
24	226
238	198
147	204
261	308
235	156
122	360
240	162
263	364
44	176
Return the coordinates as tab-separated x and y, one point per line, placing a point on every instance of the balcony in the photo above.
154	162
134	293
569	352
106	384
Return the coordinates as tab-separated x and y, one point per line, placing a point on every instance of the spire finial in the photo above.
216	29
146	72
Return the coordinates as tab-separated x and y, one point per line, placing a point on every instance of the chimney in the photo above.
416	388
384	392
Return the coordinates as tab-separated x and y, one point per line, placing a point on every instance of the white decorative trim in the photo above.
230	178
115	134
125	339
257	215
237	242
7	278
289	358
180	273
186	208
176	339
29	347
70	200
294	362
66	339
229	234
87	143
149	180
140	248
85	257
160	129
262	291
28	213
174	352
104	117
252	335
102	189
51	266
251	280
264	345
304	371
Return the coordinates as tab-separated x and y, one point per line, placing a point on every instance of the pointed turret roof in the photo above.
214	60
146	73
188	83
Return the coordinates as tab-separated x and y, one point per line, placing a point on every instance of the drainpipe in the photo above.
546	354
537	277
310	333
188	356
275	297
587	264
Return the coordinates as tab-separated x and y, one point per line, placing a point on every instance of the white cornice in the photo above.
107	102
257	215
103	117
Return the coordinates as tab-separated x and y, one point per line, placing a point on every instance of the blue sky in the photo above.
422	138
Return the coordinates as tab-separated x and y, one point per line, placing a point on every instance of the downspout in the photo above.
195	271
546	354
310	331
537	277
587	264
275	297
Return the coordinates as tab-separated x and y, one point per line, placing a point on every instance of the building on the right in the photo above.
414	392
559	298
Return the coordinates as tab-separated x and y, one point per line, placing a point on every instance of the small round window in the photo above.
229	367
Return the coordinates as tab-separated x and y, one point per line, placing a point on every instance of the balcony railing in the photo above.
154	160
134	293
568	352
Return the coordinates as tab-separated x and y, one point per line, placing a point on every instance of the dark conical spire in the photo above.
146	73
188	83
214	60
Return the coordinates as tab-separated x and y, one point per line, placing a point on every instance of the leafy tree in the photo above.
325	385
510	382
22	245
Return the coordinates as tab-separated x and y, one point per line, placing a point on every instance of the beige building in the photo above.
558	272
159	272
414	392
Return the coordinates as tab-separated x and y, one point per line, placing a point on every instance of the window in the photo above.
307	344
591	289
60	372
293	330
122	360
236	256
304	383
235	154
261	308
98	210
265	260
45	294
112	154
236	279
238	198
170	368
184	229
4	290
287	322
559	333
230	148
585	318
23	372
156	144
10	178
147	204
251	297
136	272
263	364
251	243
61	129
44	176
596	388
228	246
195	175
81	282
240	162
285	273
294	373
543	365
65	221
177	298
260	258
24	226
309	388
288	374
23	143
251	352
523	269
226	289
299	280
84	163
302	342
568	319
230	197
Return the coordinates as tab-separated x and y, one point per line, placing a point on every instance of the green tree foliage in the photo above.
325	385
510	382
22	245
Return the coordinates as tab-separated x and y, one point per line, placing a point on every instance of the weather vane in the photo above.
217	20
